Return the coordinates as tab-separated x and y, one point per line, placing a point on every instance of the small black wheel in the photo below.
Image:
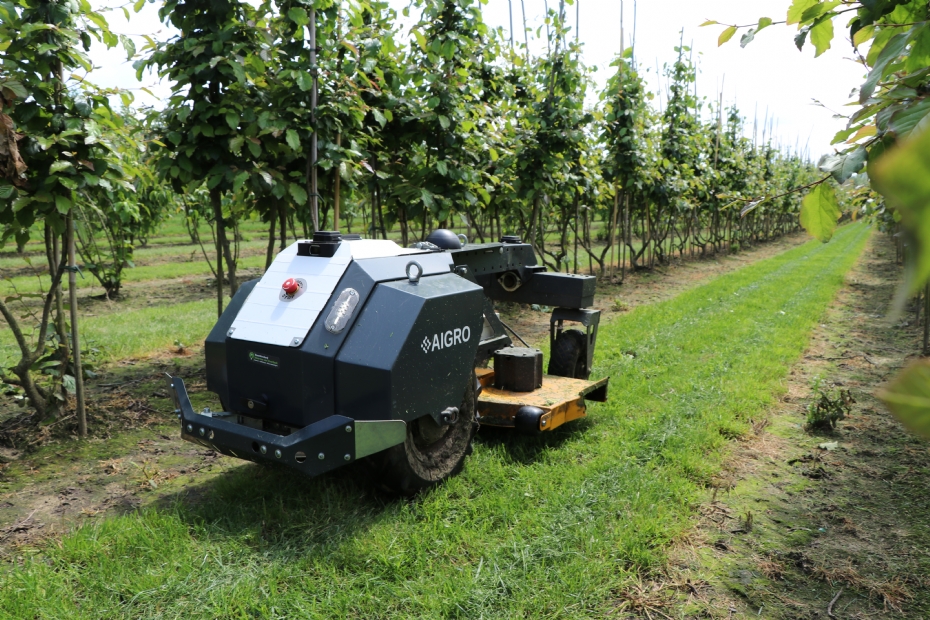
431	453
526	422
569	355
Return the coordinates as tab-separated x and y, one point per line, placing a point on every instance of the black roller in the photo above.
527	420
445	239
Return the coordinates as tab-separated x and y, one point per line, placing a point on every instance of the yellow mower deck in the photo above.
562	399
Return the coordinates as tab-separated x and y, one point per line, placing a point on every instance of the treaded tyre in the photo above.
569	355
431	453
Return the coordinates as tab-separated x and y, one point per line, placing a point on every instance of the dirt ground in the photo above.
825	524
49	481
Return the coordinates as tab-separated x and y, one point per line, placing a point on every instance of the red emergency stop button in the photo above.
290	286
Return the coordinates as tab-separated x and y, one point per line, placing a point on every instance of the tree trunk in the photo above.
381	214
217	201
374	215
575	257
75	336
337	181
54	253
269	252
927	320
404	234
531	234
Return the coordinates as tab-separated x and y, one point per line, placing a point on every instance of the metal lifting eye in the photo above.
463	239
414	279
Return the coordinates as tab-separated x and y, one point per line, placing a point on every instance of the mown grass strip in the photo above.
121	335
547	527
195	268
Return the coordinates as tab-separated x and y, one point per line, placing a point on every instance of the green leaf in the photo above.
59	165
863	132
304	81
908	398
421	40
293	140
138	5
891	52
820	212
863	35
918	56
238	71
726	35
232	119
62	204
379	116
427	198
235	144
747	38
841	135
239	179
844	165
902	176
905	120
20	203
130	47
764	22
298	193
16	88
299	16
709	22
821	36
800	38
819	10
797	9
444	121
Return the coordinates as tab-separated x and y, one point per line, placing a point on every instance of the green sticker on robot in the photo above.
264	360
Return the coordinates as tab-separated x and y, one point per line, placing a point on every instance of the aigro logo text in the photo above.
444	340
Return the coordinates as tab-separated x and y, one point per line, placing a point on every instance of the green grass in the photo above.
160	271
552	526
121	335
148	330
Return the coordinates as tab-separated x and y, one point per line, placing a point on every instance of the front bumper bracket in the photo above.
312	450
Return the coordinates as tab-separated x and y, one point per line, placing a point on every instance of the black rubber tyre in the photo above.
431	453
569	355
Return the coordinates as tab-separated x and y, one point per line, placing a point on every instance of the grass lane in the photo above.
121	335
547	527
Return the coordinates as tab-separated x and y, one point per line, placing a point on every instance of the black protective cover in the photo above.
297	386
214	348
407	355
